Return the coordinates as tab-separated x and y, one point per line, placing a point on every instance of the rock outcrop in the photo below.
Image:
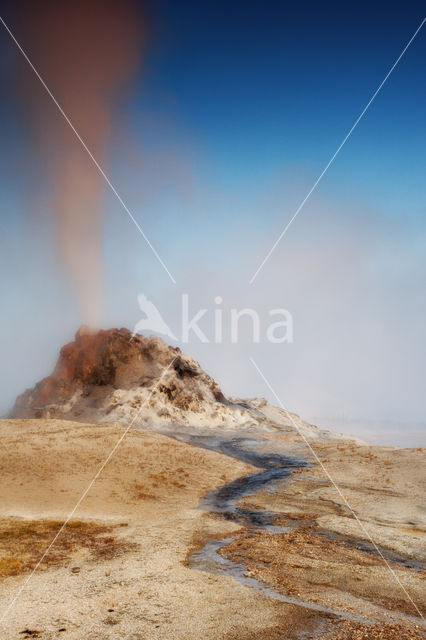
114	376
100	372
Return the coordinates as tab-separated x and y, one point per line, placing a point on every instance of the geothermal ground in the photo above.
137	560
211	520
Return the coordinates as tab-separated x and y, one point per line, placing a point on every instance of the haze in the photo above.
215	129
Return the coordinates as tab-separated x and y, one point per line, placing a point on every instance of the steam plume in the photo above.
86	52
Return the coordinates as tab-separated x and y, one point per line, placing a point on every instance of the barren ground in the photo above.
142	589
118	570
327	557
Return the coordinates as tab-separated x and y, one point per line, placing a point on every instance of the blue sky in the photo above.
236	109
261	87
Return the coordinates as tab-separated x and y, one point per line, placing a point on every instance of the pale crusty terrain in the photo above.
122	568
384	487
118	571
114	376
153	485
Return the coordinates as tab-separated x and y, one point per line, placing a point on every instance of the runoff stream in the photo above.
274	467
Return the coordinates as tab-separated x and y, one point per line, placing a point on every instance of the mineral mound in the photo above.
98	372
115	376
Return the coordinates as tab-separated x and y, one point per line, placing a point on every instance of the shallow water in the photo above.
277	466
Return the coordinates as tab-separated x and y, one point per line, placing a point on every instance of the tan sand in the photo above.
153	484
119	572
385	488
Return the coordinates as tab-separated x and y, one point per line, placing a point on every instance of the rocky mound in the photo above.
99	372
113	376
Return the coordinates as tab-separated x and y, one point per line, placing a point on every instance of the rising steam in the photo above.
87	52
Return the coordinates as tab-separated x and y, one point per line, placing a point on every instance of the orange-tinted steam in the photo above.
86	52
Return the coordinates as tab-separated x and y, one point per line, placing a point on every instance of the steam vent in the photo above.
110	375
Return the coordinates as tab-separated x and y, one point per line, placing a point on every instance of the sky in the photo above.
217	125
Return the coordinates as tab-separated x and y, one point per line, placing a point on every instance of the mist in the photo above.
87	54
349	270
